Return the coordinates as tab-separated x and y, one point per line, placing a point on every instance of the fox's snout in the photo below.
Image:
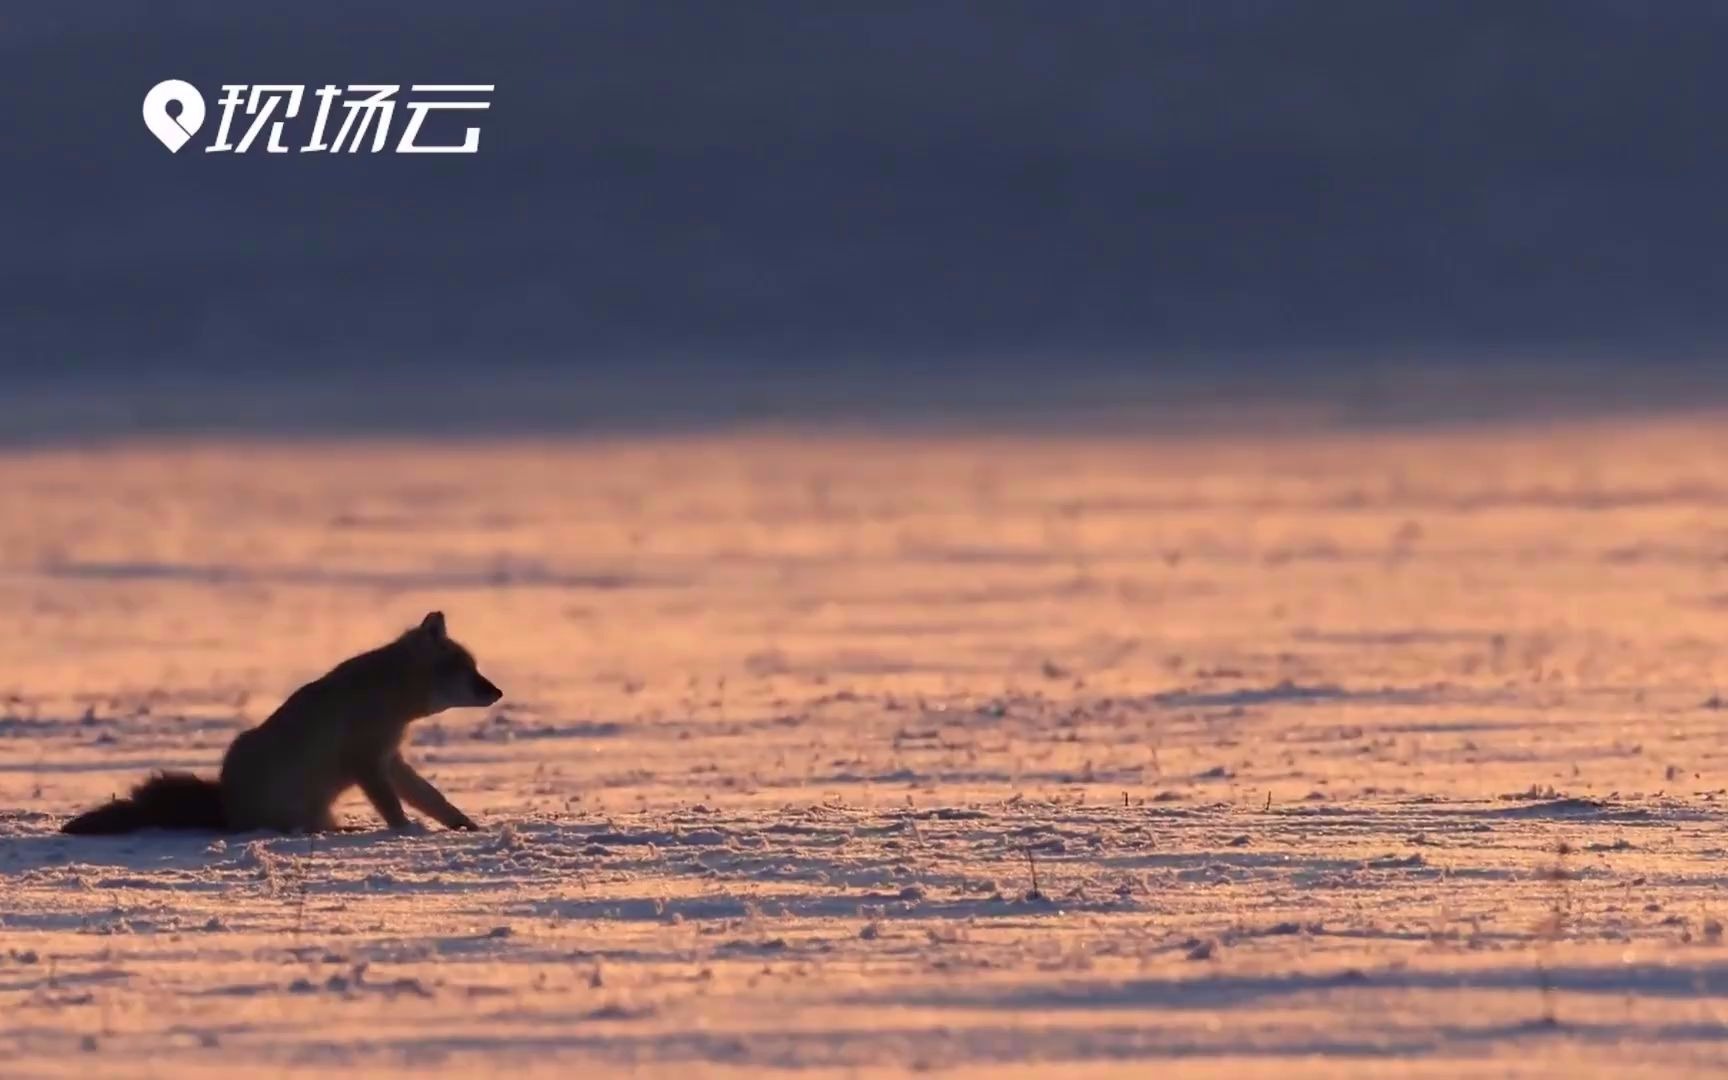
465	690
485	690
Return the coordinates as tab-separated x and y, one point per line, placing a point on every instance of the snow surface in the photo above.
1304	753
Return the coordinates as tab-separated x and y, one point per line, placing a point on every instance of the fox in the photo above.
342	730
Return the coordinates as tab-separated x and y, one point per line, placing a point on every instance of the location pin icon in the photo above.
174	131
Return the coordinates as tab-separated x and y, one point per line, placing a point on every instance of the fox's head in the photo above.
456	679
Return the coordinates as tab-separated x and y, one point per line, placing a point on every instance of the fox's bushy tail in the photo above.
168	800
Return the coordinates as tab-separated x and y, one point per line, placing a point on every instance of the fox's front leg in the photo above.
375	782
418	792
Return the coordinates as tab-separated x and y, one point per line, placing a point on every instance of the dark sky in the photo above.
761	183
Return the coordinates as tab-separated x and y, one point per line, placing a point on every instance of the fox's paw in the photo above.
464	824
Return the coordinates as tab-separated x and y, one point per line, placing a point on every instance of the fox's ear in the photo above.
433	624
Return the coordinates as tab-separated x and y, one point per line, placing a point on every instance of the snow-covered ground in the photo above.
1373	753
